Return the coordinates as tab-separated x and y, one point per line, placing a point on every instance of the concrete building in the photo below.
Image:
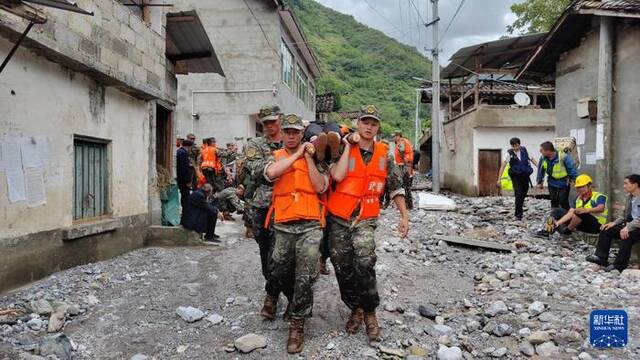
266	60
86	119
479	114
592	55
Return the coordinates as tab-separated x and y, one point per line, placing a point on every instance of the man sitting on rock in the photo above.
201	215
588	213
625	228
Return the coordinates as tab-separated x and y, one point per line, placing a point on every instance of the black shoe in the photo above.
564	230
612	267
518	217
597	260
213	240
543	234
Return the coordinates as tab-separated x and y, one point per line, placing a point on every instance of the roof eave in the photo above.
307	51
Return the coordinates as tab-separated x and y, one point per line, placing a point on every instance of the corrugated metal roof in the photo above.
187	41
491	87
60	4
504	54
610	5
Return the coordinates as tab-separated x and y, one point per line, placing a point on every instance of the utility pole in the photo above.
435	101
418	125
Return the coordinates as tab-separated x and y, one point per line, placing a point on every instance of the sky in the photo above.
478	21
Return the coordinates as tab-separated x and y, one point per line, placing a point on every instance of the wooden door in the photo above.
488	167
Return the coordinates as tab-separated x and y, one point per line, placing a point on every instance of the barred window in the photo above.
286	61
301	86
90	195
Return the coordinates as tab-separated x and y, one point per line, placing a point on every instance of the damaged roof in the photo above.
326	103
189	44
567	34
488	87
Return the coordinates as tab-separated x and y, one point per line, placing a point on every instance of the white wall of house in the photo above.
498	139
58	103
250	60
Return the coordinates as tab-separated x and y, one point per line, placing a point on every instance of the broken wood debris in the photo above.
474	243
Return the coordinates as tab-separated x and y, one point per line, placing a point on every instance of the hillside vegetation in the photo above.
363	65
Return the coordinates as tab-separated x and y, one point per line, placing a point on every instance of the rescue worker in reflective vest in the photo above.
297	215
360	176
560	171
404	159
210	164
514	174
587	215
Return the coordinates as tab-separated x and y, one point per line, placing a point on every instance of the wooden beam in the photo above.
24	11
189	56
174	19
490	245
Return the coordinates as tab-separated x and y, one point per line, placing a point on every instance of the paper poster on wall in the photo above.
580	136
600	142
573	133
30	153
11	156
34	186
15	186
590	158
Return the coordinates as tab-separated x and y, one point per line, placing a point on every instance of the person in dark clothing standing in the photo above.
200	215
519	163
560	171
184	174
626	229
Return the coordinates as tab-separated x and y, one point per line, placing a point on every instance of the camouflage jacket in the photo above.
258	190
194	156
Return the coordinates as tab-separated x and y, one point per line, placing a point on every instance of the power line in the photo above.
383	18
451	21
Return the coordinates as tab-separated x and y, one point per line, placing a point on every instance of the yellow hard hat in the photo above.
583	180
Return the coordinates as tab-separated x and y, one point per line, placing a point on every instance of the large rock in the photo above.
56	321
497	308
631	274
442	330
538	337
215	319
190	314
40	307
498	353
502	330
429	311
58	345
449	353
250	342
536	308
547	350
527	349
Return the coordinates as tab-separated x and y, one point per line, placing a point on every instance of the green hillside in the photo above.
363	65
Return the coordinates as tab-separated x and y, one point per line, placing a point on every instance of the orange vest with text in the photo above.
362	185
210	158
406	156
294	197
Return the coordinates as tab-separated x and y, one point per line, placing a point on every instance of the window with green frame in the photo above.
286	62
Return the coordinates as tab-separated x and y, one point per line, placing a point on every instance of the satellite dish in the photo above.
522	99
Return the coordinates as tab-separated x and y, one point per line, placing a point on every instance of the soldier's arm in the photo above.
319	180
339	170
394	179
254	160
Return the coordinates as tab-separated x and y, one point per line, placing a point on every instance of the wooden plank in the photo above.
474	243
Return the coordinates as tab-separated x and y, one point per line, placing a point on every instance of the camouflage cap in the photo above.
292	121
370	112
270	113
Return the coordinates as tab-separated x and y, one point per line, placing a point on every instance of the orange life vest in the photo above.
407	155
210	158
362	185
294	197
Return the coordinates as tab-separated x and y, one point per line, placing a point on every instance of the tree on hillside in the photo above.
536	15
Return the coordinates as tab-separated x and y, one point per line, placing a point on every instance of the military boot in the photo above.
270	307
296	336
371	323
324	270
333	140
354	321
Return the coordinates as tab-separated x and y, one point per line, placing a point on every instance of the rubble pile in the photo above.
438	300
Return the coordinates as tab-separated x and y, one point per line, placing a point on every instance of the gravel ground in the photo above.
438	301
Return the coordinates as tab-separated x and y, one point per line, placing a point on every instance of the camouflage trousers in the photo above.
216	180
407	183
296	256
265	238
353	255
228	201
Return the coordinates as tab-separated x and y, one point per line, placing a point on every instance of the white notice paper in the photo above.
12	157
580	136
600	142
15	184
34	184
591	158
30	155
574	133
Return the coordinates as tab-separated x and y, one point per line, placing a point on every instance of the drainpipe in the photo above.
604	162
194	115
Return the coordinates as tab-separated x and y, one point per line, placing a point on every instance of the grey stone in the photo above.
497	308
536	308
189	314
429	311
527	349
330	346
503	275
524	332
547	349
449	353
502	330
139	357
58	345
547	317
584	356
499	352
369	353
391	351
442	329
56	321
35	324
473	325
215	319
539	337
250	342
40	307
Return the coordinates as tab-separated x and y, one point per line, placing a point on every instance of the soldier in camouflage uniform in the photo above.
403	154
361	174
228	201
297	214
194	160
258	194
